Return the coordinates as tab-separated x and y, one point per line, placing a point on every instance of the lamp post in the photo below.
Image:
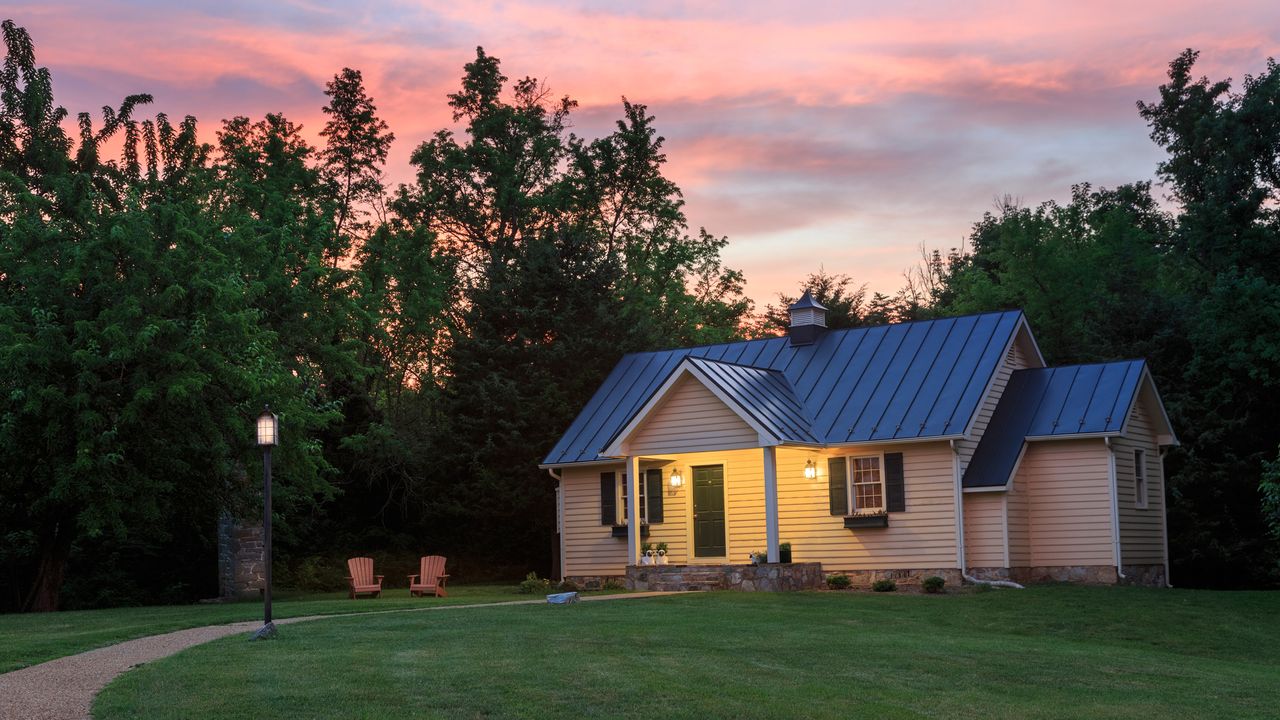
268	437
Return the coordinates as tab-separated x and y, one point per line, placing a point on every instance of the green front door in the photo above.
708	511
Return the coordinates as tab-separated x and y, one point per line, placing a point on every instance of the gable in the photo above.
890	383
690	418
1148	411
1059	403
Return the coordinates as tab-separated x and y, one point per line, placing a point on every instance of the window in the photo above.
622	500
613	498
866	485
1140	478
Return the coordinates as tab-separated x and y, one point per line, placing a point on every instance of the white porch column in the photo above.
633	510
771	502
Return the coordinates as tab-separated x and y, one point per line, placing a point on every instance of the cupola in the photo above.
808	320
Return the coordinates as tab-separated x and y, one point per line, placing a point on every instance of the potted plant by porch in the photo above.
662	553
784	552
646	554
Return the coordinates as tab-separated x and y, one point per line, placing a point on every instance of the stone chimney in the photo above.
808	320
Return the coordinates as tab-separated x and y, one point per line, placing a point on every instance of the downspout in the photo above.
1164	517
1115	506
956	479
559	478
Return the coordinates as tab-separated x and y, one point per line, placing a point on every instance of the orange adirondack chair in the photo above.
432	578
362	579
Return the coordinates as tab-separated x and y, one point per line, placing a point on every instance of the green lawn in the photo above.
1047	652
27	639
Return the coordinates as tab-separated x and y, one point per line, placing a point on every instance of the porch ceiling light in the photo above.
810	469
676	478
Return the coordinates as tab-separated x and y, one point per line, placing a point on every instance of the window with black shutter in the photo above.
608	498
653	492
862	485
613	498
838	486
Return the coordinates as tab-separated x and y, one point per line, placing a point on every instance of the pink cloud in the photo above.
833	134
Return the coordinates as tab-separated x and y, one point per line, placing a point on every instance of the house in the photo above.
939	447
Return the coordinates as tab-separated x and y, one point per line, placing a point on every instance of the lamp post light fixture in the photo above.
268	437
676	478
810	469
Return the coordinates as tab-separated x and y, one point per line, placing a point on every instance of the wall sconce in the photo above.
676	478
810	469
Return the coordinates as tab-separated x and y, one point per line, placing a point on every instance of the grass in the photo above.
1047	652
27	639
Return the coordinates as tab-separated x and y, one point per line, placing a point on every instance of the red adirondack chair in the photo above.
362	579
432	578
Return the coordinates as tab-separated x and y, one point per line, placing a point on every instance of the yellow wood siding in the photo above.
1068	500
984	529
1141	529
922	537
588	547
689	419
1017	515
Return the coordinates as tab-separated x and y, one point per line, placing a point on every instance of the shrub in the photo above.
885	585
839	582
532	584
614	584
933	584
567	586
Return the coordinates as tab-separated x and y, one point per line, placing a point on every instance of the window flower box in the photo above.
869	520
620	531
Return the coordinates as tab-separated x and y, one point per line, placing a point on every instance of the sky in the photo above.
836	135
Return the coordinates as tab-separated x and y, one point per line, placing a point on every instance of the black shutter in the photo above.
653	488
608	499
838	486
895	489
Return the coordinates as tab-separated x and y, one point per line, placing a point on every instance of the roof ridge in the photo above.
1098	363
735	364
829	331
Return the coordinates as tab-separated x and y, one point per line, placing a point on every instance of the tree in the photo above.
130	362
846	305
1111	275
568	252
357	143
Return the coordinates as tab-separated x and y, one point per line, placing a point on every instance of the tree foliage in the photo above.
132	351
1112	275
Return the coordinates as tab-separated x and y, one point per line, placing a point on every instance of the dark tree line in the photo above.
425	345
1196	290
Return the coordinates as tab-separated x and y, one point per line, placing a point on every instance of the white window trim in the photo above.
620	498
851	496
1140	489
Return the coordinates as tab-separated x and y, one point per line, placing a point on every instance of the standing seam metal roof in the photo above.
1044	403
906	381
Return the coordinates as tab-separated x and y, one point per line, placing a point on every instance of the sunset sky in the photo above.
833	134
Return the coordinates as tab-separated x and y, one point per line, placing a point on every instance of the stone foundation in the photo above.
596	582
241	570
1144	575
990	573
767	578
864	578
1087	574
